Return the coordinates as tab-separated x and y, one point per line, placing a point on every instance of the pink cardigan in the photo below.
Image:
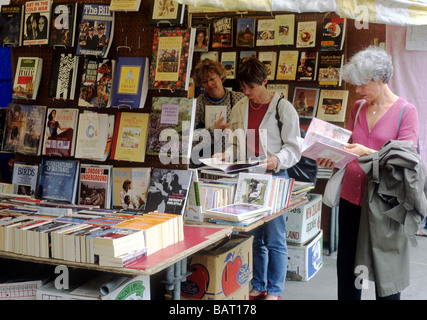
384	130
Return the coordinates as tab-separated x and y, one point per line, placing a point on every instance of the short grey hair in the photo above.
370	64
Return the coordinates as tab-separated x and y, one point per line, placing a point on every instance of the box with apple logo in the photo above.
305	261
303	223
220	271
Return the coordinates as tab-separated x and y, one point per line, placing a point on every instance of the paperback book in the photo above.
25	178
222	34
95	185
330	65
37	22
333	35
59	180
60	132
332	105
202	38
269	59
265	32
168	191
245	32
287	65
305	101
12	17
97	83
284	29
27	78
306	34
131	82
63	28
307	66
96	30
228	60
62	82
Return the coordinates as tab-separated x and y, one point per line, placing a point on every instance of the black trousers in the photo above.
348	229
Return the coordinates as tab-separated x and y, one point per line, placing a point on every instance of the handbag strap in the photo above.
279	122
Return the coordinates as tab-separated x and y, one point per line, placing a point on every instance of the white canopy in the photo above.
392	12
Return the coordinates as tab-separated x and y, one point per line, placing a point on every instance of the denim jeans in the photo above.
270	254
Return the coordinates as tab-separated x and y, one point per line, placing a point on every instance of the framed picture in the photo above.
305	101
166	12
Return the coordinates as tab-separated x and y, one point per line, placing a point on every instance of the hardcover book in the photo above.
12	17
130	187
222	34
330	69
27	78
131	82
172	58
63	28
305	101
307	66
60	132
25	178
253	188
37	22
245	32
332	105
228	60
97	83
24	128
63	75
58	180
269	59
171	117
168	191
130	136
96	30
287	65
265	32
284	29
95	185
166	12
306	34
333	35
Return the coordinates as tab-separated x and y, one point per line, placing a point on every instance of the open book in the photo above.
229	167
326	140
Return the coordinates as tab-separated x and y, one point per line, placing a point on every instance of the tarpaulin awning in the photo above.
392	12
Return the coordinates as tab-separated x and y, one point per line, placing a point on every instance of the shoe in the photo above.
260	296
277	298
421	233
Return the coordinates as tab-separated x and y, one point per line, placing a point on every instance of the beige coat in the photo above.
394	204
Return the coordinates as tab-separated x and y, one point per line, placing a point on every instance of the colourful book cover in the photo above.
287	65
333	35
37	22
63	28
306	34
332	105
330	68
27	78
284	29
305	101
245	32
95	185
222	34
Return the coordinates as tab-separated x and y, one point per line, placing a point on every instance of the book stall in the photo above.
98	132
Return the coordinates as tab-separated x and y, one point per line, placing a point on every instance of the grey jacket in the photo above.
393	206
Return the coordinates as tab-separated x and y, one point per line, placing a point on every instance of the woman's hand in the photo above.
325	163
358	149
271	162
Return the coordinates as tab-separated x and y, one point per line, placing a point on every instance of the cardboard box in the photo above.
304	222
305	261
220	271
101	287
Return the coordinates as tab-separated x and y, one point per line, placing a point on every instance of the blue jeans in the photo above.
270	255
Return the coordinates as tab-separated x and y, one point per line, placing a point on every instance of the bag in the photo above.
331	195
306	169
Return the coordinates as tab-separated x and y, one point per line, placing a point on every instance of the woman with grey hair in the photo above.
377	122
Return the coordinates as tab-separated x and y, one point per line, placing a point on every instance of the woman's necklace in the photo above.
260	105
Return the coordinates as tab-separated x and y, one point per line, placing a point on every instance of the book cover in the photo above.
333	34
236	212
245	32
287	65
97	83
125	5
25	178
92	136
321	149
330	69
37	22
63	27
96	30
222	32
215	115
60	132
228	60
12	17
332	105
253	188
130	136
63	75
58	180
306	34
305	101
307	66
131	82
168	191
130	187
166	12
284	29
202	38
27	78
269	59
172	58
281	89
246	54
212	55
24	128
171	128
95	185
265	32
